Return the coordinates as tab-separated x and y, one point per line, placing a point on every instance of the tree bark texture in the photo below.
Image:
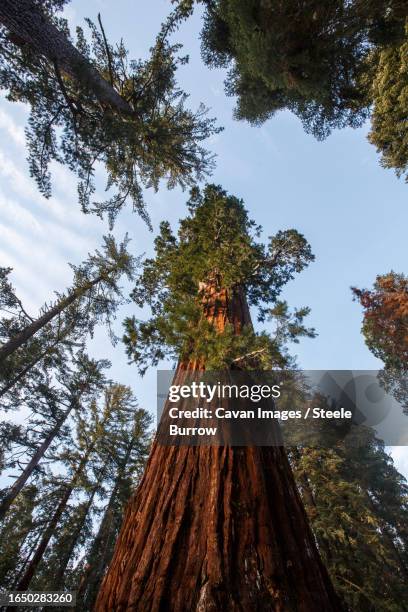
216	528
25	20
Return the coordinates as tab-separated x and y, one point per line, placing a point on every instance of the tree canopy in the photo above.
91	104
385	329
217	240
389	94
385	324
307	58
357	503
333	64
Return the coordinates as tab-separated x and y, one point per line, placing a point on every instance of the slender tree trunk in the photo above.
50	529
99	557
25	562
21	338
102	546
306	490
217	528
386	532
58	582
38	555
30	366
26	21
309	500
23	373
15	489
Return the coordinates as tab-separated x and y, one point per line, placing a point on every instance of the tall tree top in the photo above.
218	237
217	244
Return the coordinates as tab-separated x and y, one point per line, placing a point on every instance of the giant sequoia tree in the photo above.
215	527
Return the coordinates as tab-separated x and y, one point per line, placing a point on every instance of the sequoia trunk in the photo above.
216	527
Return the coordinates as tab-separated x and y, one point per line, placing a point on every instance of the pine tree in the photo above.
131	447
307	58
389	94
82	458
14	533
42	498
80	385
93	297
215	527
50	523
56	570
357	504
91	460
90	104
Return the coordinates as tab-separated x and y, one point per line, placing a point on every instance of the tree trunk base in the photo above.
216	528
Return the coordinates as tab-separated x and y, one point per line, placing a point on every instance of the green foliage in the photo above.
129	450
14	532
389	119
46	403
8	298
357	503
307	58
110	448
332	63
289	325
98	460
217	240
157	138
385	330
98	303
98	294
95	287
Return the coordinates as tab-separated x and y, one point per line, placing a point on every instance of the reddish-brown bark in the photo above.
215	528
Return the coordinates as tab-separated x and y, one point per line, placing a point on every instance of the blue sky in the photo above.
353	212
